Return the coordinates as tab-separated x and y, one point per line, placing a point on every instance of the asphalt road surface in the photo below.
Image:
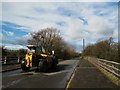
11	67
56	78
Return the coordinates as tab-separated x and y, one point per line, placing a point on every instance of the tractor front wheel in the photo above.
24	68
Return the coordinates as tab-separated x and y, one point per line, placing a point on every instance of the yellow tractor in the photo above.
37	57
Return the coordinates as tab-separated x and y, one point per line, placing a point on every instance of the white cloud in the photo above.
15	47
59	0
1	36
9	33
35	16
15	40
22	40
3	39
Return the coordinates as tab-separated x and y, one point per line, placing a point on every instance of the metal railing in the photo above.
111	66
11	60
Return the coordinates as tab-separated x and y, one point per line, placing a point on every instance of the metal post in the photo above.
5	60
83	48
18	59
83	44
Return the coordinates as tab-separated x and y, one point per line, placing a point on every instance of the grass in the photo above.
113	78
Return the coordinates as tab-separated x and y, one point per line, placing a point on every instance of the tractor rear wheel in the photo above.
42	66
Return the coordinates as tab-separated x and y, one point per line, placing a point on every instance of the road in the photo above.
57	78
6	68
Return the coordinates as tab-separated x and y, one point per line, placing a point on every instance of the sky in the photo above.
76	21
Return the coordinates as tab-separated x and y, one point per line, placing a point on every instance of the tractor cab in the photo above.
35	49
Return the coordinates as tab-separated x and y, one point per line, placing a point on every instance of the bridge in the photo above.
81	73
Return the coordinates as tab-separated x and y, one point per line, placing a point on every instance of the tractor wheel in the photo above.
24	68
42	66
54	63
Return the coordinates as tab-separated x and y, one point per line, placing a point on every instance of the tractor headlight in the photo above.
23	61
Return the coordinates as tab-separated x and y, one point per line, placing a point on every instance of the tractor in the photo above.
37	57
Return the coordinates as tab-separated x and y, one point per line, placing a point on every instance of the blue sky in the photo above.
76	21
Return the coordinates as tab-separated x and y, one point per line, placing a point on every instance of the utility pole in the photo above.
83	44
83	48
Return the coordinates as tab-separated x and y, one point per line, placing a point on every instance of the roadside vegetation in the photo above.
107	49
50	39
13	53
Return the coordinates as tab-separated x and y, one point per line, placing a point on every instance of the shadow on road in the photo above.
58	68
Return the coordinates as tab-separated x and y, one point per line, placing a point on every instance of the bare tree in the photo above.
47	38
50	39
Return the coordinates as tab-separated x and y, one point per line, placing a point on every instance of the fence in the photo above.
111	66
11	60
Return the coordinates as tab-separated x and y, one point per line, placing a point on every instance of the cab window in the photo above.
38	50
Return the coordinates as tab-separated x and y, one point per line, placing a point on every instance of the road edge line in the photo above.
71	76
